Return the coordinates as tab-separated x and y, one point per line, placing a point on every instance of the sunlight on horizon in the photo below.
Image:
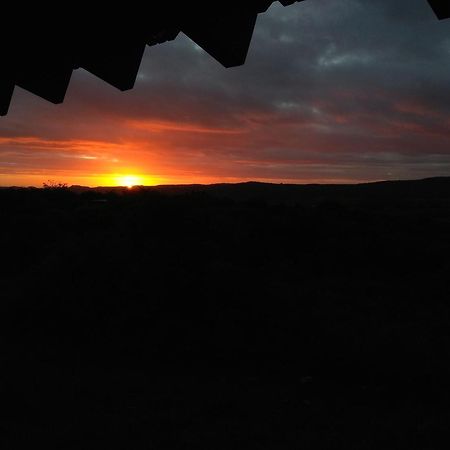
130	181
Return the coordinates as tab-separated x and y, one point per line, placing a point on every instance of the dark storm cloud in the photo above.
350	89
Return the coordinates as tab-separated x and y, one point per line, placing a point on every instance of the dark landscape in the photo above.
226	316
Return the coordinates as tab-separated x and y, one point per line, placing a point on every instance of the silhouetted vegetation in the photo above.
51	184
226	317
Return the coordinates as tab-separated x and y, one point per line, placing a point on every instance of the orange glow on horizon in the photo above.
130	181
34	180
149	153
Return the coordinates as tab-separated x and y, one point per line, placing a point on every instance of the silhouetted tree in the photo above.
51	184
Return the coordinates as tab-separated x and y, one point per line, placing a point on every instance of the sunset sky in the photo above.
332	91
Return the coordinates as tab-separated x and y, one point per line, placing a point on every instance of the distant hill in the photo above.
438	187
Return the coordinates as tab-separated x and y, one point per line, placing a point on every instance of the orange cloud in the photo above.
163	126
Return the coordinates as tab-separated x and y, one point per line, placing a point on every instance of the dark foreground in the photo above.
228	317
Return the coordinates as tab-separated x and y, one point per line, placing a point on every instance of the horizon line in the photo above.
313	183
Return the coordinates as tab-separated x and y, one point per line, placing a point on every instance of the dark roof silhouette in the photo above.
40	51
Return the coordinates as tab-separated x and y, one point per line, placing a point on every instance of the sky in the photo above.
333	91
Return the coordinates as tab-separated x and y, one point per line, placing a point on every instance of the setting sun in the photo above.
129	181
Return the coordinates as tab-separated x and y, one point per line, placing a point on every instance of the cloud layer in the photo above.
332	91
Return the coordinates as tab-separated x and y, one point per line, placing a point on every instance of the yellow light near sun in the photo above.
129	181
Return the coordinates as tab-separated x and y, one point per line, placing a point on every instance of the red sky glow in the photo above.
327	95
